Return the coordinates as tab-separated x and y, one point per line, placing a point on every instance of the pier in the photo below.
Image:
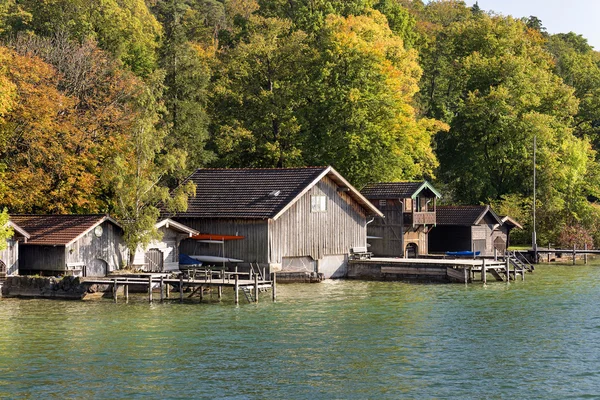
250	284
438	270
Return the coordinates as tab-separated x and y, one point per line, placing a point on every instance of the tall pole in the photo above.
534	234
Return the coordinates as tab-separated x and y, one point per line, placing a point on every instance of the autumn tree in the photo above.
361	117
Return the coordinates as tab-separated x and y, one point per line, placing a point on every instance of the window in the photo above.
318	203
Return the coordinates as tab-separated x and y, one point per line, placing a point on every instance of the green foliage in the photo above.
125	28
137	176
6	232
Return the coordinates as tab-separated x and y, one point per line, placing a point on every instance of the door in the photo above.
412	250
154	260
500	245
96	267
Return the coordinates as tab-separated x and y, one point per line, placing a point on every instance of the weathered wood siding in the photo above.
168	245
109	247
253	248
389	229
300	232
10	256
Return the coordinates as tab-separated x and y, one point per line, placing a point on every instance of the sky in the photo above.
557	16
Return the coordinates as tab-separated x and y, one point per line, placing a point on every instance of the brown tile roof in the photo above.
256	193
463	215
395	190
56	230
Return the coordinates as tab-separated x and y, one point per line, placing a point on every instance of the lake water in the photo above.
338	339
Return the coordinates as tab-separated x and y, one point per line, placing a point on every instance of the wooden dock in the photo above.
435	270
251	287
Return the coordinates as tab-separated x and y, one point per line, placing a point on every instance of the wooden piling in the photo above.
162	289
220	292
585	255
126	290
115	288
507	268
150	289
236	288
574	254
181	288
201	293
256	288
483	271
168	289
466	272
274	287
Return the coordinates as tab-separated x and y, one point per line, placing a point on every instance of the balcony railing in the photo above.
419	218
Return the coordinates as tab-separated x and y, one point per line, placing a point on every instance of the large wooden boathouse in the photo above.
301	221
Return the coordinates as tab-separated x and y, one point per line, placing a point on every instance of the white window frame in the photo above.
318	203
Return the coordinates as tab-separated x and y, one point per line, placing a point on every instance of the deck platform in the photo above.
250	287
433	270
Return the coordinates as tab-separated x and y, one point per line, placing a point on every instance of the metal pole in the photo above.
534	234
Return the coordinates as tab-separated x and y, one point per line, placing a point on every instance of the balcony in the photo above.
419	218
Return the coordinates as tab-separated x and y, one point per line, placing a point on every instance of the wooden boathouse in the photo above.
9	257
409	210
80	245
300	221
471	228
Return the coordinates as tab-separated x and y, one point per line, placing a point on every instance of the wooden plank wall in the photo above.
389	229
253	248
109	247
10	256
34	258
300	232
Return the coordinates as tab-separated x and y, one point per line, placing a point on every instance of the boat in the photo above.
215	259
463	253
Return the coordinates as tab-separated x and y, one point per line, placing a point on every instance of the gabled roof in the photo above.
19	230
464	215
259	193
58	230
397	190
506	220
170	224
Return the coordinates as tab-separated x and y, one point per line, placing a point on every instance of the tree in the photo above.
138	176
361	118
258	96
187	74
124	28
6	232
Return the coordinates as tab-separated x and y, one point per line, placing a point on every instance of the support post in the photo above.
168	289
483	271
495	254
201	293
256	288
585	255
574	253
181	288
236	288
126	290
162	289
549	252
150	289
274	286
466	272
507	268
115	288
220	295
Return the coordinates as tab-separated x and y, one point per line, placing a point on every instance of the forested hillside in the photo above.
105	106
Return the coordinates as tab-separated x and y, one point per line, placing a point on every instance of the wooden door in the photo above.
154	260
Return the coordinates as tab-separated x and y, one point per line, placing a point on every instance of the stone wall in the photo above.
68	287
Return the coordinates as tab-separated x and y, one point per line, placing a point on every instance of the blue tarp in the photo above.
184	259
462	253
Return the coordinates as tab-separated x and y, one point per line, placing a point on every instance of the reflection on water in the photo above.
338	339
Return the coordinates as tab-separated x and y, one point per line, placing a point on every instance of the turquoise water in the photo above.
338	339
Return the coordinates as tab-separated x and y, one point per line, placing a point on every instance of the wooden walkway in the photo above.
251	288
443	270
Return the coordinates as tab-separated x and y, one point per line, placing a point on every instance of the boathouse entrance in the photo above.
154	260
412	250
96	267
